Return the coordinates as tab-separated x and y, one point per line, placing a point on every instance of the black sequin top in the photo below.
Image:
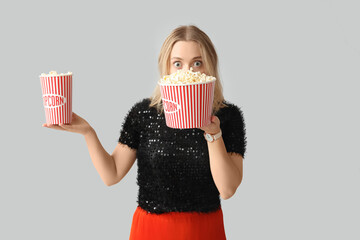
173	164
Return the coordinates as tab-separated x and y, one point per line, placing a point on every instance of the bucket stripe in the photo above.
172	97
180	113
194	103
176	100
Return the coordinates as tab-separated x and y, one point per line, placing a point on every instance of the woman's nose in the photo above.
186	67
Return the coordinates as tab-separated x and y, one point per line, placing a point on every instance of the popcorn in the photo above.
54	73
186	77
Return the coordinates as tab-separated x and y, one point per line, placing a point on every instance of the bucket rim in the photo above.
185	84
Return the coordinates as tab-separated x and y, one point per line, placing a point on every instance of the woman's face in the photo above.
186	54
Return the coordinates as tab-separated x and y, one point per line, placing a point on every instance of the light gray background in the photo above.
292	66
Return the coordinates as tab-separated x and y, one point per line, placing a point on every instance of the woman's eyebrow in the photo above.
183	59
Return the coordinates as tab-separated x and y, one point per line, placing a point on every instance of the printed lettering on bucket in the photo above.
53	100
170	106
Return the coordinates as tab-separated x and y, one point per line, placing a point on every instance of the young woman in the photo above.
181	175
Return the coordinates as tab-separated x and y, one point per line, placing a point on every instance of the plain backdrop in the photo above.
292	67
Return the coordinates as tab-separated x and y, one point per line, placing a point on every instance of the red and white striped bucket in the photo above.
57	98
187	105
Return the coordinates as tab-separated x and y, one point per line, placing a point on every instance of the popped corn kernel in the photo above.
54	73
186	77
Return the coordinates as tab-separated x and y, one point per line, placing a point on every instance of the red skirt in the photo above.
177	225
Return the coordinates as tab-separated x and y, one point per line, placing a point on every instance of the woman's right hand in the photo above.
77	125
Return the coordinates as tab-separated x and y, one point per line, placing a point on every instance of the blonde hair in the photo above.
209	56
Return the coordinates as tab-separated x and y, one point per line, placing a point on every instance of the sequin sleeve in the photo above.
130	131
233	131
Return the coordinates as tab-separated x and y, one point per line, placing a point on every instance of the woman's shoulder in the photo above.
138	110
230	109
141	104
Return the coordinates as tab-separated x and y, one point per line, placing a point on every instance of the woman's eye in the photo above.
197	64
177	64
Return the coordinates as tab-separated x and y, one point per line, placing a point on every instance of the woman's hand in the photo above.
213	127
78	125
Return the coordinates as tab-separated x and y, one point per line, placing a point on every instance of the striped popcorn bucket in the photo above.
57	98
187	105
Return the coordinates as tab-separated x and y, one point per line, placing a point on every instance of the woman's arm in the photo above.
103	162
225	172
124	157
111	168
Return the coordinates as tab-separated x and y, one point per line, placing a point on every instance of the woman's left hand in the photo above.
213	127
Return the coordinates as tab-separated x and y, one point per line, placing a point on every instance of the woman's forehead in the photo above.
186	49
